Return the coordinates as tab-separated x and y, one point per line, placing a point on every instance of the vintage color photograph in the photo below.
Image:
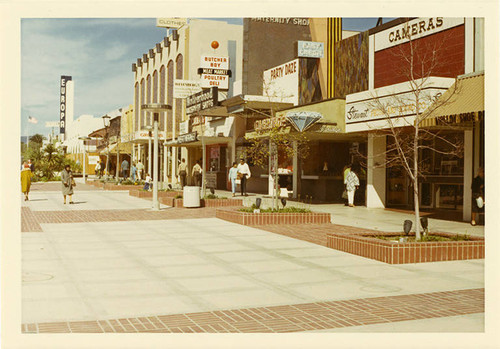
252	175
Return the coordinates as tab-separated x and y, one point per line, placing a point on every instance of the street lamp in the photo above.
84	139
155	108
106	120
149	129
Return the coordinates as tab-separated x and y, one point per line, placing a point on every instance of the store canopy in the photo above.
462	102
124	148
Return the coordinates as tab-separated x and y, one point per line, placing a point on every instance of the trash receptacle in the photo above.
191	196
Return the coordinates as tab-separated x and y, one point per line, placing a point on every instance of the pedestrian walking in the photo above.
345	172
124	167
197	173
133	172
32	166
244	174
67	183
26	175
140	170
233	176
477	195
182	172
147	182
352	183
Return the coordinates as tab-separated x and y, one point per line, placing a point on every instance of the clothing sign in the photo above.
214	71
171	22
310	49
185	88
62	105
282	82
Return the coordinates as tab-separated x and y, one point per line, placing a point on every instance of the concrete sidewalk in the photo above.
161	269
370	218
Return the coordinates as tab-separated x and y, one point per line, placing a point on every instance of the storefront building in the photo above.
170	72
448	62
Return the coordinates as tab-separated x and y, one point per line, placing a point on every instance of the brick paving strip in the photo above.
30	220
287	318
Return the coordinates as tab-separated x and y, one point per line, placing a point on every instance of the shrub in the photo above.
212	196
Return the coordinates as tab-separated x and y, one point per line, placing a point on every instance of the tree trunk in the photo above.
415	185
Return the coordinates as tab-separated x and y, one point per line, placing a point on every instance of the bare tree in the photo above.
276	138
409	136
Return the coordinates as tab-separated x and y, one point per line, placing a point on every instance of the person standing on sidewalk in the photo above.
147	183
97	169
244	174
124	167
197	174
26	175
477	192
133	172
102	168
182	172
140	169
352	183
233	176
347	169
67	183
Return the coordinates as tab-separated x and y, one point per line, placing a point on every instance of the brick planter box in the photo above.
170	201
366	245
149	194
246	218
110	186
221	202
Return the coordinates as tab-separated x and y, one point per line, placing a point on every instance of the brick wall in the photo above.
449	45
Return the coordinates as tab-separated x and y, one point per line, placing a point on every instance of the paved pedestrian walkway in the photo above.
125	268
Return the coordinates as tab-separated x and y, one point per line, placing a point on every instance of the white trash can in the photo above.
191	196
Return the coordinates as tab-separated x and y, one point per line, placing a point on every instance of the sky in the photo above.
98	54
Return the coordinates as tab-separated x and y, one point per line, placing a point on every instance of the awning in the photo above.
124	148
464	102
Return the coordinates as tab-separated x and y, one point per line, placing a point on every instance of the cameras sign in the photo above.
215	72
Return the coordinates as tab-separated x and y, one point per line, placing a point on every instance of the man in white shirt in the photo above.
140	169
244	173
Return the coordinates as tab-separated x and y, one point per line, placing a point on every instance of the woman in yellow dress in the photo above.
26	180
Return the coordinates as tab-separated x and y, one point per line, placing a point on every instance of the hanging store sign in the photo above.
185	88
282	82
302	120
144	135
414	29
187	138
62	105
391	106
175	23
184	127
214	71
270	123
310	49
202	100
